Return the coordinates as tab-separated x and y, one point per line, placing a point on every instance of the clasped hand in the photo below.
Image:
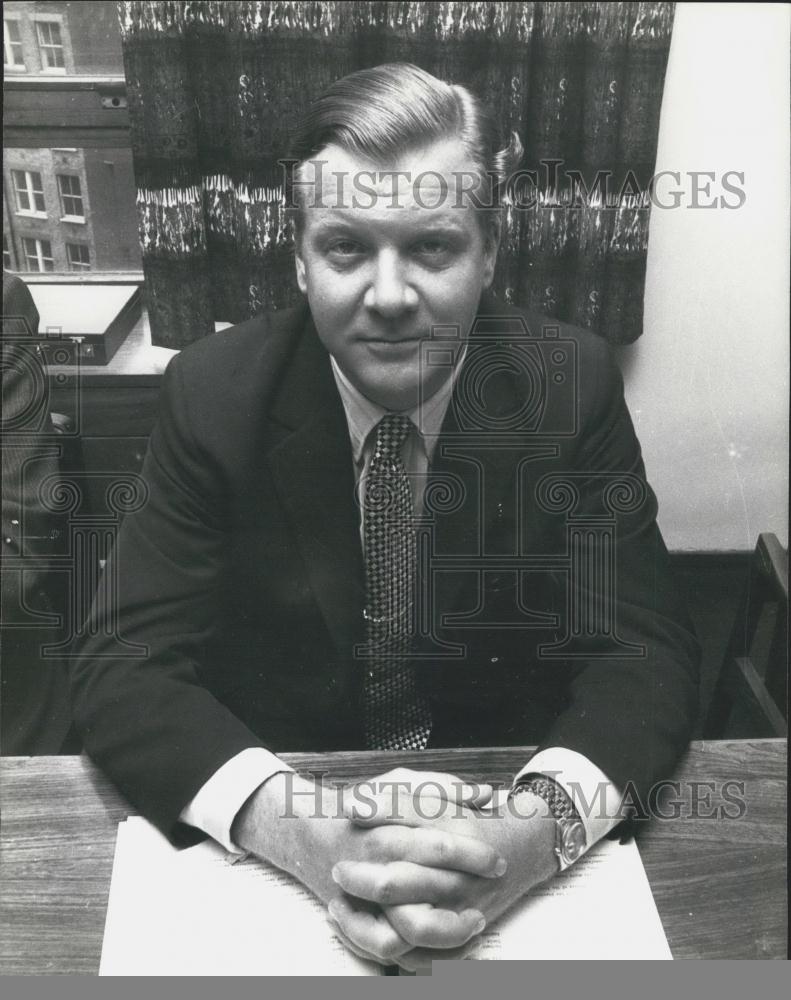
443	859
412	864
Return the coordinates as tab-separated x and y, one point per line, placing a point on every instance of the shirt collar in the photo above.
362	415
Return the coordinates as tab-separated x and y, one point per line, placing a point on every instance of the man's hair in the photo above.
387	110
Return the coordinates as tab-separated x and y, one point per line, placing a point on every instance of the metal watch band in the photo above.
560	804
571	839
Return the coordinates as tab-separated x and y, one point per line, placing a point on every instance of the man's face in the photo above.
379	277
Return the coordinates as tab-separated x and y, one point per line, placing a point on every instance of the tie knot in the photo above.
391	432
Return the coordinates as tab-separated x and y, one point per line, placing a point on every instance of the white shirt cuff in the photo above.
596	798
216	804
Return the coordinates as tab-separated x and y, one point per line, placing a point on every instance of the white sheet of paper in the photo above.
191	913
600	908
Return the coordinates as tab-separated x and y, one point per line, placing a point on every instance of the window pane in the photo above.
45	248
51	46
80	38
38	254
29	192
90	201
31	254
12	45
37	190
79	257
70	195
23	202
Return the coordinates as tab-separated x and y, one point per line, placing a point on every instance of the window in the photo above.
92	188
70	196
38	254
8	258
67	122
29	192
12	46
79	257
51	47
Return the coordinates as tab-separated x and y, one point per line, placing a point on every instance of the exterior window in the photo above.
51	46
12	45
70	196
38	254
8	260
79	257
29	191
49	172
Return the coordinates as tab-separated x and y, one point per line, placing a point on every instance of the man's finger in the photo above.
435	848
398	882
420	784
355	948
370	931
397	806
421	958
440	785
427	926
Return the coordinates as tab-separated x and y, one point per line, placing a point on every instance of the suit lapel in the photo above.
483	477
492	471
313	473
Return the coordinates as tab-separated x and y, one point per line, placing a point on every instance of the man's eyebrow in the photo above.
350	219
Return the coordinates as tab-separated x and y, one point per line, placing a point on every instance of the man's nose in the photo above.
390	292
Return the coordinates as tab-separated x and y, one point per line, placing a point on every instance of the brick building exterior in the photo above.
66	209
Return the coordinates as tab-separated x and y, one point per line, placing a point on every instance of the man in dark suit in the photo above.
34	696
265	593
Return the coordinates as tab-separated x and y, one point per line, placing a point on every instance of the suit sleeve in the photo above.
34	713
634	694
139	701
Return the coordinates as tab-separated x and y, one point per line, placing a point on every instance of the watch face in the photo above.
573	842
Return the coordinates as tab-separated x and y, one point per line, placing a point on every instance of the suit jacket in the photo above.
240	581
34	701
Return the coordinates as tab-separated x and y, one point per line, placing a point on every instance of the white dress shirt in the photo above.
216	804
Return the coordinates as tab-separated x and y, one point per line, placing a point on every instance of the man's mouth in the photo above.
392	344
394	340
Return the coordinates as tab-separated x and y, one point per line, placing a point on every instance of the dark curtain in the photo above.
214	86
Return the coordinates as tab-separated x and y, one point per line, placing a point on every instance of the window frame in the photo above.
70	216
40	256
44	47
30	192
80	267
8	46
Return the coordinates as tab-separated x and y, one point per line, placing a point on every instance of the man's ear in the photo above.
494	227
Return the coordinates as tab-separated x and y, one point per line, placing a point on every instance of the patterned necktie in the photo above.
397	715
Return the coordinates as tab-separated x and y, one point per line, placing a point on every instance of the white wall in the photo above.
707	383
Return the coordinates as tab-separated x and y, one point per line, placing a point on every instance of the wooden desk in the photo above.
720	884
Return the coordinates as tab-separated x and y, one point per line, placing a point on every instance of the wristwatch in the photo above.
570	837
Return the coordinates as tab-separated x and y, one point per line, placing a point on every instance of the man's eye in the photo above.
432	249
345	248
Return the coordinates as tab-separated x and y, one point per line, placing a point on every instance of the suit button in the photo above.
494	659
